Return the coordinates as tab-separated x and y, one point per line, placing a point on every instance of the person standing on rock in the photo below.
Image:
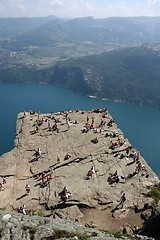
90	173
43	176
122	200
27	188
49	125
58	159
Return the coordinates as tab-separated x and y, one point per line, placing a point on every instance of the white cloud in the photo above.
152	2
79	8
2	9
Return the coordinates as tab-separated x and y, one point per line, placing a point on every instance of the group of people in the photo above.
118	143
114	178
89	125
45	179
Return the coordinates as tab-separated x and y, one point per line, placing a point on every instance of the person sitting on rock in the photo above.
145	174
113	145
139	167
116	154
2	187
3	180
65	194
115	178
38	153
121	156
75	122
67	156
110	123
55	127
115	173
95	140
31	112
44	183
49	177
22	209
43	176
134	155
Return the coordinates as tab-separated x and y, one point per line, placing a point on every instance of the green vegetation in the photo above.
32	231
36	213
130	74
64	234
155	193
117	234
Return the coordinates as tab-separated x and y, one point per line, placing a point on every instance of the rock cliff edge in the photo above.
85	152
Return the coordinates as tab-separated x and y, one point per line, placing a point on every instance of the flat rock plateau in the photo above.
71	144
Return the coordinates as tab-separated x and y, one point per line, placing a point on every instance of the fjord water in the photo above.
140	124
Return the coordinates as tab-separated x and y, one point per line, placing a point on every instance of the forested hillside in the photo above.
131	75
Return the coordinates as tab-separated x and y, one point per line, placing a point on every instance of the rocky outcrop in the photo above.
70	144
19	227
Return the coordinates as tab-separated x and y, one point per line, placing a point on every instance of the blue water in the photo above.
140	124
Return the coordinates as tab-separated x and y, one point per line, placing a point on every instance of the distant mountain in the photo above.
52	30
113	58
12	27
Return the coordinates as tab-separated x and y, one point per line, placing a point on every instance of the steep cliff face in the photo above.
85	152
151	226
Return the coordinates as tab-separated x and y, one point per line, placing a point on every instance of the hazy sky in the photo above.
79	8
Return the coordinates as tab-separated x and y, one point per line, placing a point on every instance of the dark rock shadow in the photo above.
130	163
33	132
117	208
33	160
24	195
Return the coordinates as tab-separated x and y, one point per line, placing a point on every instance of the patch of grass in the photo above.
116	234
37	213
64	234
155	193
32	231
